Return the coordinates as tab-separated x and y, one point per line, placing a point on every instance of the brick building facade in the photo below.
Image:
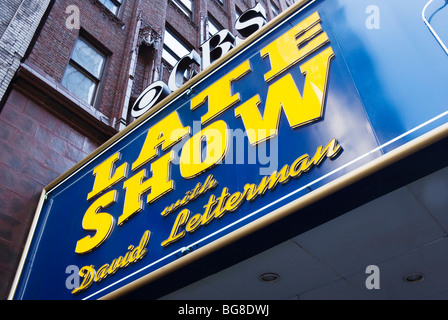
19	21
72	90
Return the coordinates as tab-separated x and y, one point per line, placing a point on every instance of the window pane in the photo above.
79	84
187	3
274	10
184	5
173	49
212	27
175	45
188	14
110	5
237	13
89	58
169	58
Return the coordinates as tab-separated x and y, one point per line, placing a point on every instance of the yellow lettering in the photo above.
175	235
132	256
299	110
216	138
87	273
251	191
126	261
101	274
102	222
219	94
114	265
329	151
294	45
194	223
159	184
199	190
165	133
220	206
272	181
105	177
296	168
140	251
234	201
208	215
216	208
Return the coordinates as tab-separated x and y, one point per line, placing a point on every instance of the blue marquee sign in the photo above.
319	93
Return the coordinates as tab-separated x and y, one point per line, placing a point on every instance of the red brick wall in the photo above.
52	50
35	148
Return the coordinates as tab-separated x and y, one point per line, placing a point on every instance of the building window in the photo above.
186	6
112	5
238	13
83	73
173	49
274	10
213	27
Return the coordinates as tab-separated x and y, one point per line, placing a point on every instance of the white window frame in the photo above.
213	27
186	6
96	79
173	48
115	3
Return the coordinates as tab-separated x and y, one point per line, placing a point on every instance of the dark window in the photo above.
238	13
185	5
112	5
173	48
274	9
213	27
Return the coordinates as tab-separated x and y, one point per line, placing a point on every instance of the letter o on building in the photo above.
153	94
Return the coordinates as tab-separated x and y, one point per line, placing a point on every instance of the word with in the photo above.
198	191
373	280
90	275
216	208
